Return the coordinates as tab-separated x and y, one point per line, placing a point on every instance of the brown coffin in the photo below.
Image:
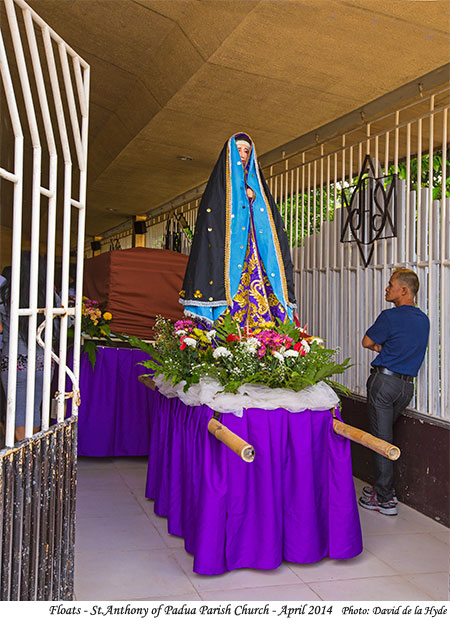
136	286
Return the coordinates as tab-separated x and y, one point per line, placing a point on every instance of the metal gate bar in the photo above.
36	478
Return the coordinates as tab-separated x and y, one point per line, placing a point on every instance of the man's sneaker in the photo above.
372	503
369	491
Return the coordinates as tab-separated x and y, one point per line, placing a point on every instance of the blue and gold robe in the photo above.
240	259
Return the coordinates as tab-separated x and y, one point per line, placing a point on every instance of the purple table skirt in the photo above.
113	418
296	502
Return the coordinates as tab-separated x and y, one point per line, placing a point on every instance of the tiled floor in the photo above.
123	552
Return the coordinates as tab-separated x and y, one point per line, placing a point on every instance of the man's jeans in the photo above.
387	397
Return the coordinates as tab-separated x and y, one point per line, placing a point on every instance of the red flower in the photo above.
297	346
182	346
303	352
232	337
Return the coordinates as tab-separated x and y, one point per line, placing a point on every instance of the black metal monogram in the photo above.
369	210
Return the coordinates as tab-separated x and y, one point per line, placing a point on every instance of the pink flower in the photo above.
185	324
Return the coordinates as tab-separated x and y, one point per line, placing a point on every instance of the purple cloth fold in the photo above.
113	418
296	502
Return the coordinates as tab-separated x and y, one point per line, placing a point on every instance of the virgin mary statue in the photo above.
240	261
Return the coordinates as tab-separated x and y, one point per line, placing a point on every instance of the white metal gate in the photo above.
44	94
48	108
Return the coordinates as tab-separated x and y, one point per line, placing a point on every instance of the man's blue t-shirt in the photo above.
403	334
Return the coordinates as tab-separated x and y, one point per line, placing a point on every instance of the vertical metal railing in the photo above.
25	56
337	296
37	505
45	95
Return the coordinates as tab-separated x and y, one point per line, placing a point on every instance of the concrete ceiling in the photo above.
174	78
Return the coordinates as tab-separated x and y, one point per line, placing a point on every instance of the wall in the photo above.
5	246
422	472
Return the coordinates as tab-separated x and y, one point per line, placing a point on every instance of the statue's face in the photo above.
244	151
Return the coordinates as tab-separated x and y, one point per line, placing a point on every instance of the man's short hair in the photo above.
408	278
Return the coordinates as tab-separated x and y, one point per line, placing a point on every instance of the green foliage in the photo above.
425	174
90	347
279	356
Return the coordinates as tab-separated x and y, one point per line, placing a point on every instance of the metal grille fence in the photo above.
37	504
337	296
44	96
45	123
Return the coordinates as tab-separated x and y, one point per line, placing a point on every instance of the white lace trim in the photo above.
193	315
212	304
318	397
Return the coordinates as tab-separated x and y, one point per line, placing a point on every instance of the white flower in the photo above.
319	341
180	332
290	353
190	342
211	334
305	346
222	352
278	356
251	345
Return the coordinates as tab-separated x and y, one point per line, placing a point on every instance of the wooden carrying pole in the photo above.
220	432
230	439
366	439
147	380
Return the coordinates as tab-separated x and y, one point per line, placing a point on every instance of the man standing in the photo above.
400	337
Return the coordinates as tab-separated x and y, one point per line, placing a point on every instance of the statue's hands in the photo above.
250	193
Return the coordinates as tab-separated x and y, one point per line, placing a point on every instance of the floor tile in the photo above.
297	592
409	553
92	503
443	536
117	533
359	484
364	565
127	462
421	522
243	578
90	463
177	597
124	552
372	522
435	585
369	589
129	575
135	478
100	478
172	542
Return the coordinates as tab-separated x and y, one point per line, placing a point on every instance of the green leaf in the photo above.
90	348
233	386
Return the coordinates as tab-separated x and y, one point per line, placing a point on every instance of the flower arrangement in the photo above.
278	356
94	325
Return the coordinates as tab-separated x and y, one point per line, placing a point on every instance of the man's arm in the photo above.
368	343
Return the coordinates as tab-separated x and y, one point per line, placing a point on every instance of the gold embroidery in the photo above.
275	240
251	302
